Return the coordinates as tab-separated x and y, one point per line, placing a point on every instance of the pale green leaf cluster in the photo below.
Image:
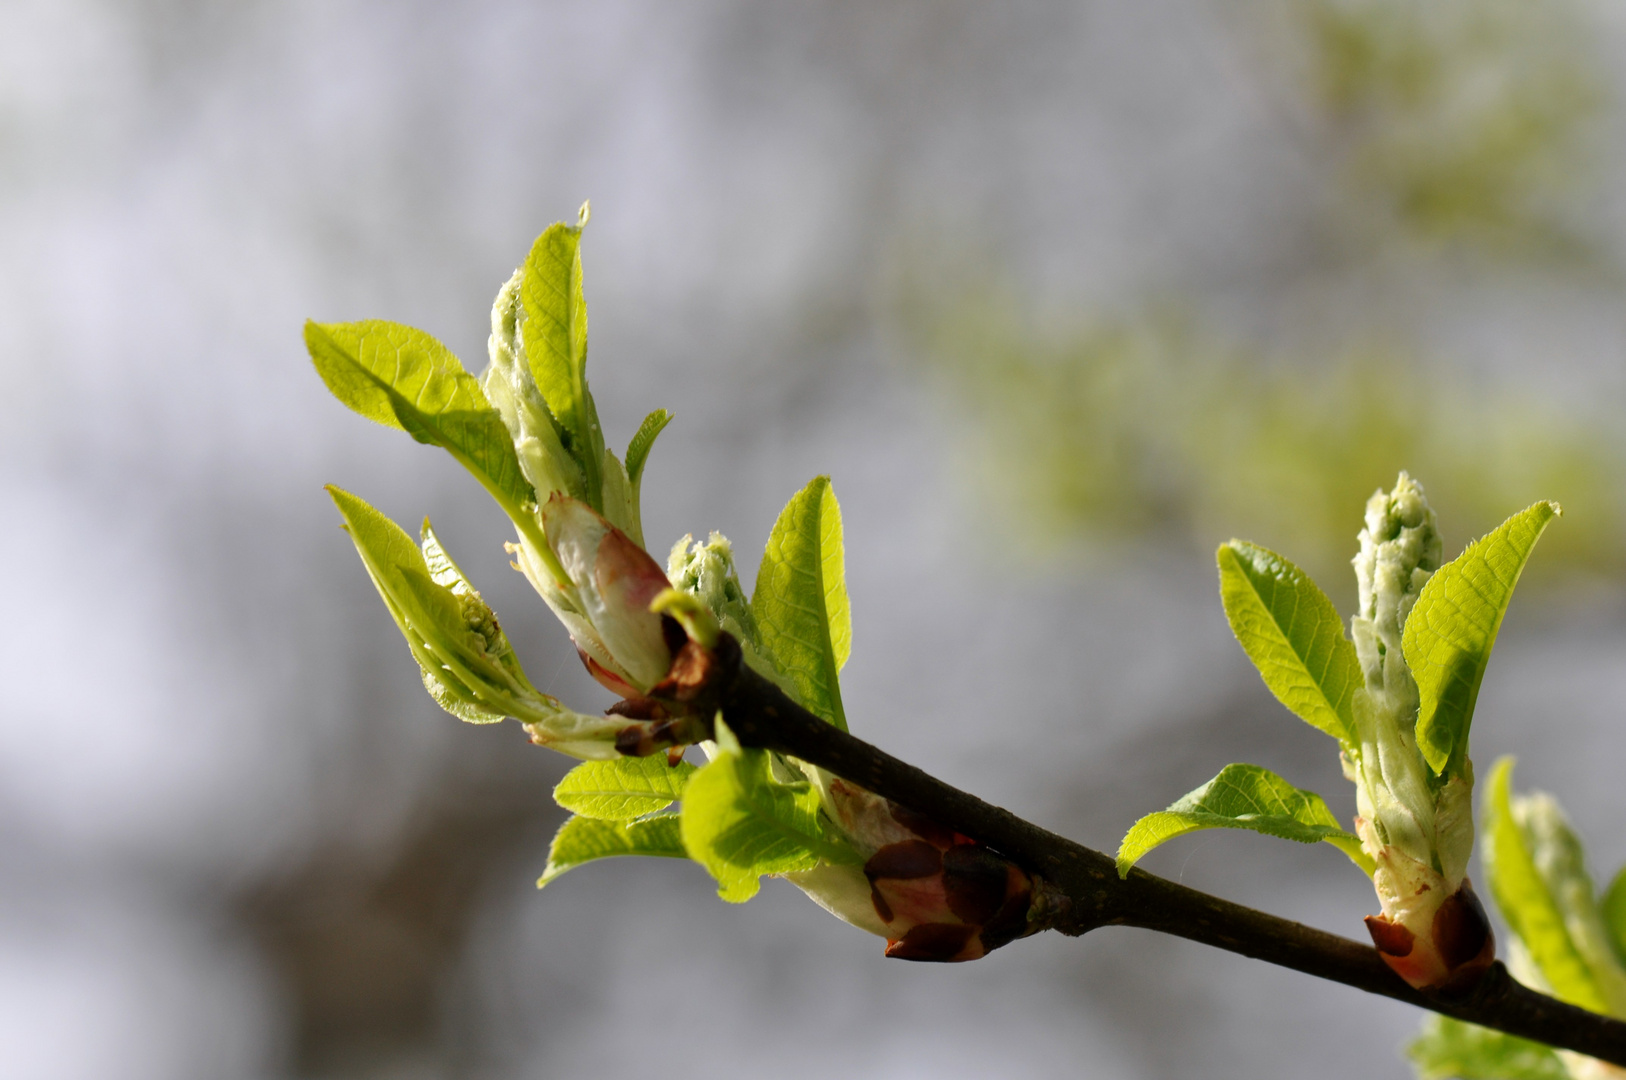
744	815
526	429
741	816
1537	873
1566	940
466	660
1243	797
620	809
1360	690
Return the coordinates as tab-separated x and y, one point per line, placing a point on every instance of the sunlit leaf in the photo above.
1293	635
740	822
429	615
404	378
800	603
1527	902
1243	797
555	336
584	839
623	788
1451	630
1450	1049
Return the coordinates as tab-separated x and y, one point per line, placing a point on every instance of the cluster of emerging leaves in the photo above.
528	430
1292	633
1568	940
747	812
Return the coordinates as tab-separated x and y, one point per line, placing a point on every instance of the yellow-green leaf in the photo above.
1293	635
1243	797
802	612
1450	632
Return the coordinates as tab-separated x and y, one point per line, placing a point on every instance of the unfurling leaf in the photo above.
555	337
741	822
642	442
466	662
623	788
1450	1049
1243	797
1293	635
1451	630
800	603
584	839
404	378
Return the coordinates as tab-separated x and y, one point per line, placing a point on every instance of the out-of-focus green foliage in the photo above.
1456	127
1142	426
1452	121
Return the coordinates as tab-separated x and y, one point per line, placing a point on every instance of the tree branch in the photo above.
1089	893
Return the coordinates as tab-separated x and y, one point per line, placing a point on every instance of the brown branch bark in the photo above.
1092	895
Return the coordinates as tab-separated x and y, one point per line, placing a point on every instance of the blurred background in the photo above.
1061	295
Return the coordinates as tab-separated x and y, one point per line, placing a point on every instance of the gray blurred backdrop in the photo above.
1060	294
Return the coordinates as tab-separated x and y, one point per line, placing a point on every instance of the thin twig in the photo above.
1092	895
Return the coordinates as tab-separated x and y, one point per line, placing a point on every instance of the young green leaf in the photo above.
1451	630
1450	1048
477	615
404	378
1528	904
584	839
1293	635
454	638
555	336
740	822
1243	797
623	788
1613	908
800	603
643	441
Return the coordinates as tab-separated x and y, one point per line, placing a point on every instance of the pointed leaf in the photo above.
404	378
740	822
800	604
1243	797
1293	635
584	839
623	788
1527	902
1450	632
1450	1048
555	336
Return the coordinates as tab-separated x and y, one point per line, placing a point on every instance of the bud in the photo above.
511	389
605	600
1417	828
933	893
